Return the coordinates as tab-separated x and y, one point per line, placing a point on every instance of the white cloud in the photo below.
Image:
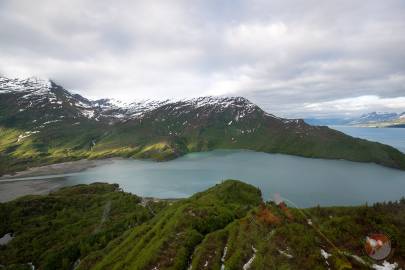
357	104
284	55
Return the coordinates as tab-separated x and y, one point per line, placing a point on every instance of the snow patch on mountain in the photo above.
248	264
46	95
32	84
26	134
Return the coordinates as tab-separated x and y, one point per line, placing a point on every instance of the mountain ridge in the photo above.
108	107
42	123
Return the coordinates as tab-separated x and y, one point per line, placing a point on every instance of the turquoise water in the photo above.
305	181
391	136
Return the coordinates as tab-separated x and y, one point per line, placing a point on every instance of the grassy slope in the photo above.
54	231
170	238
284	243
63	142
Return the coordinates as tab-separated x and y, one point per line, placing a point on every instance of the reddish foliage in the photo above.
266	216
285	210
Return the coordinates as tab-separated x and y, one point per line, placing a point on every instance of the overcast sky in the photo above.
293	58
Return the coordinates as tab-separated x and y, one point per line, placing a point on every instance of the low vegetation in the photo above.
228	226
54	231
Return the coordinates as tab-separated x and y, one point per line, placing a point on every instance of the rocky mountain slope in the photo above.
42	123
228	226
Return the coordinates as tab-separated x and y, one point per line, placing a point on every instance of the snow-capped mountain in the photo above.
46	96
32	85
33	95
38	93
375	117
40	106
122	111
369	119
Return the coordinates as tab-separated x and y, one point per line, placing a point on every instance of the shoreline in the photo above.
57	169
40	187
15	189
35	181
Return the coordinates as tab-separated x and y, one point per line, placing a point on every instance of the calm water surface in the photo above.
305	181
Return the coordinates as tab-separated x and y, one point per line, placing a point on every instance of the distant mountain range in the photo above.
42	123
373	119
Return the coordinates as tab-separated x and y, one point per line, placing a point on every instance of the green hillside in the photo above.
44	124
228	226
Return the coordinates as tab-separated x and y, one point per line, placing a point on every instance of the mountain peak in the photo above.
219	102
39	85
35	92
28	84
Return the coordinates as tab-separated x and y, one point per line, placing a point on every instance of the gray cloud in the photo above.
294	58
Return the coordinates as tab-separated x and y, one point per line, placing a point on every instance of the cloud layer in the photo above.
294	58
